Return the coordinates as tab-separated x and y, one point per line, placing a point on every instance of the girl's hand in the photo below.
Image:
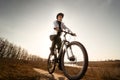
56	28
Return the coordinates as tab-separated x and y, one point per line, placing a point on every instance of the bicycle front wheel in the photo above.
74	61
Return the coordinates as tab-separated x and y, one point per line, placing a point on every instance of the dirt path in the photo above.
48	76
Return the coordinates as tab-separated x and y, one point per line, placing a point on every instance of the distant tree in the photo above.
2	44
9	50
3	48
19	49
9	53
24	54
14	52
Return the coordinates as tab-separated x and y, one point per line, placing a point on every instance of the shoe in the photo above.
55	60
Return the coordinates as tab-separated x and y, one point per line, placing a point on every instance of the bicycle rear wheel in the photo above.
75	67
51	64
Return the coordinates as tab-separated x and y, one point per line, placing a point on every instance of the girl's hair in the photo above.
59	14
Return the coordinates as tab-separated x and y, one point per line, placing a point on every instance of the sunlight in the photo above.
29	25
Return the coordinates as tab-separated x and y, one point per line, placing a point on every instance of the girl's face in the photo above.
59	18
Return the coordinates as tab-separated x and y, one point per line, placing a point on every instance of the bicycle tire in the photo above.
82	73
48	63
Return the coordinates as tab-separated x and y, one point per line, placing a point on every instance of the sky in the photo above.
28	23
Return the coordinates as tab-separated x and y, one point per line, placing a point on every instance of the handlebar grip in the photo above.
73	34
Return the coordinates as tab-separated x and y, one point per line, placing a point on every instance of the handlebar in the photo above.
73	34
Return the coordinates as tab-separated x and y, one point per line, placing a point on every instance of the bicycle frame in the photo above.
65	43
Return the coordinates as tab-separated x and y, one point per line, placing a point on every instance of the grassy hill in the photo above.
11	69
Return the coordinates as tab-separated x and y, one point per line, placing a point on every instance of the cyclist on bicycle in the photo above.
58	27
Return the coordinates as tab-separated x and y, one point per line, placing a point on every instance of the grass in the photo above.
17	70
103	70
99	70
23	70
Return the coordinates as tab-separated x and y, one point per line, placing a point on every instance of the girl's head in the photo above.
59	16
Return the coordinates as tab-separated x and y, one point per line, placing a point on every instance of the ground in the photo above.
11	69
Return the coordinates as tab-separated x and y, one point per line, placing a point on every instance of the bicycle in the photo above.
72	58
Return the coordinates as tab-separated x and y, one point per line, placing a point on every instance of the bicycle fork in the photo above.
68	55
